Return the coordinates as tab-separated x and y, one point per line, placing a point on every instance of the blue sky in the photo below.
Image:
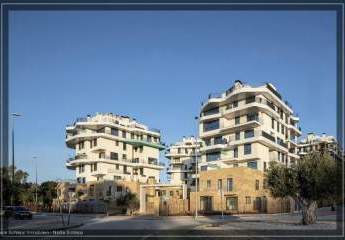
157	66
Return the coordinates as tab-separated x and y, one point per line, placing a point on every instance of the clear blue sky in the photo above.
158	67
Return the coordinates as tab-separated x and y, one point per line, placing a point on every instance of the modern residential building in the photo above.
247	127
182	156
113	148
313	142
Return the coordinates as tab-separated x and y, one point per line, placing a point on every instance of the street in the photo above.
52	221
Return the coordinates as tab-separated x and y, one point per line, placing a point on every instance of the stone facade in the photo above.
242	190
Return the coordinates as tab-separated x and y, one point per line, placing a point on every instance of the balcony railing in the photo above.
135	160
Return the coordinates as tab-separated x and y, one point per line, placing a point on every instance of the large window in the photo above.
237	135
249	133
231	203
114	156
219	185
252	164
257	184
208	186
115	132
203	168
237	120
252	116
218	140
212	125
229	184
247	148
236	152
250	99
212	156
211	111
272	125
124	146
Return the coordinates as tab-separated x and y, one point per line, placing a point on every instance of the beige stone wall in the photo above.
244	189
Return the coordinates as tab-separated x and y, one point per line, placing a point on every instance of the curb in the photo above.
68	227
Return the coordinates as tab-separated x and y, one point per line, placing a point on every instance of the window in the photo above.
283	128
118	188
278	125
125	170
211	111
117	166
211	125
250	99
219	185
235	104
249	133
237	135
95	142
149	138
237	120
218	140
248	200
203	168
101	130
101	155
208	141
252	164
272	123
229	184
265	184
124	156
171	193
124	134
92	189
114	156
265	166
257	184
231	203
141	171
235	165
93	167
114	131
116	143
236	152
208	186
124	146
252	116
247	148
212	156
108	193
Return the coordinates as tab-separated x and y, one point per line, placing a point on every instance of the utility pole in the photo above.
14	115
36	186
196	168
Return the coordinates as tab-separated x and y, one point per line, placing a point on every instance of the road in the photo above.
184	225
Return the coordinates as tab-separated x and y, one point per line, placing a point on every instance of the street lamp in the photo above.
14	115
36	186
196	168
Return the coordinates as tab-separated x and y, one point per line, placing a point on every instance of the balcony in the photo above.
252	123
252	105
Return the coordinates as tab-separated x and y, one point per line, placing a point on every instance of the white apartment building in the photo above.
112	147
313	142
182	156
247	126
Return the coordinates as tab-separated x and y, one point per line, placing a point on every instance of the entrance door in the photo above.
206	203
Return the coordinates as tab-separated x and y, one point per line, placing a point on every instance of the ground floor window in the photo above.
231	203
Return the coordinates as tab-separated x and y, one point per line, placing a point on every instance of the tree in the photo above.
312	178
47	192
18	188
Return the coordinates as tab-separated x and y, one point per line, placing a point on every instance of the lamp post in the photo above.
196	168
14	115
36	186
